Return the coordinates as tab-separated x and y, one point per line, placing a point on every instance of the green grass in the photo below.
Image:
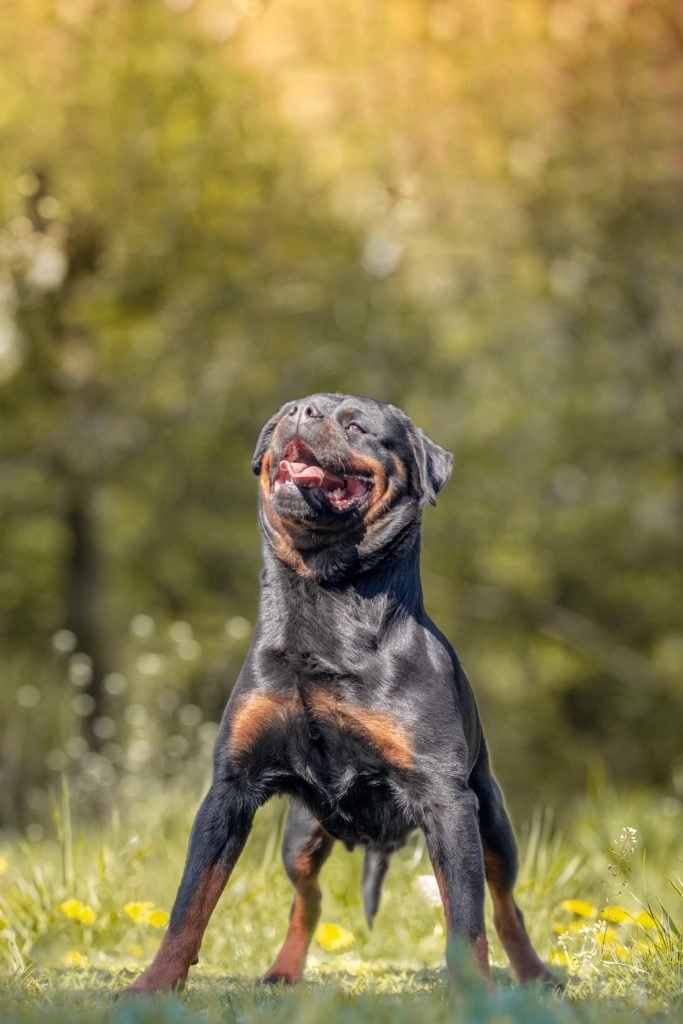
64	960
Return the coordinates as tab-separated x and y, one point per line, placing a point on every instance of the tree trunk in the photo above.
83	598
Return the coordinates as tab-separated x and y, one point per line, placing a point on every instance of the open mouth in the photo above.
299	468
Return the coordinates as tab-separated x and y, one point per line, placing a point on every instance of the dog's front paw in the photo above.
547	980
280	976
152	982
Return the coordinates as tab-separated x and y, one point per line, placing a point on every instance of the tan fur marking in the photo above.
523	958
385	489
363	464
378	727
481	953
283	544
398	466
180	949
290	961
255	712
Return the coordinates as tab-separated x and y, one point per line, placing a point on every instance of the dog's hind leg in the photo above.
500	864
305	849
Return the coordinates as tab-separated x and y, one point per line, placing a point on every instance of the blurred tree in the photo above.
471	211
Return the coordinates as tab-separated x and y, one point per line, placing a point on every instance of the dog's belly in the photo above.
368	813
355	793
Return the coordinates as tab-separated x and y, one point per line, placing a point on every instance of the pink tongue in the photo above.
299	471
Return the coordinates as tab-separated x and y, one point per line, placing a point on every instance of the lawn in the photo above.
82	910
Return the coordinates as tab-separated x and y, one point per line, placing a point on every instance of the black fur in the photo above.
350	700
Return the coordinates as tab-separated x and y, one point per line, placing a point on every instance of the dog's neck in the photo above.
386	592
325	558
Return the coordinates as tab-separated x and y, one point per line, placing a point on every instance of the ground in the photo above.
83	910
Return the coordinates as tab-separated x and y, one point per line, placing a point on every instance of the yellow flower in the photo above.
579	907
78	911
333	936
135	950
4	864
145	912
646	920
75	959
139	911
615	915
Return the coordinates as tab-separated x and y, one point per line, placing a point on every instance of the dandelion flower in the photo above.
615	915
78	911
579	907
73	958
333	937
4	864
144	912
139	911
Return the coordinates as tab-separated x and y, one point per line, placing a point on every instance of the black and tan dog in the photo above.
350	699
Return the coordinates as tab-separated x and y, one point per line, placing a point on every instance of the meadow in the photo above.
82	910
470	210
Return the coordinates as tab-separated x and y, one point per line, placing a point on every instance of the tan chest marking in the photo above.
281	539
378	727
257	712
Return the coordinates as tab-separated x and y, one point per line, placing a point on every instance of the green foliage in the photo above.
76	917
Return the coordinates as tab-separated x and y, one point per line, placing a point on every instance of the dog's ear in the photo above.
434	464
263	442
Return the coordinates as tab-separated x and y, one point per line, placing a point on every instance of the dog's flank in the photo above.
350	700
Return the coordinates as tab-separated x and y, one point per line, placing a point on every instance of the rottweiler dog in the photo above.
350	700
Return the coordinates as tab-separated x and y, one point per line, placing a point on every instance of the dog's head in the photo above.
342	479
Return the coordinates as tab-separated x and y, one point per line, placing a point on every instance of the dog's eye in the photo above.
355	427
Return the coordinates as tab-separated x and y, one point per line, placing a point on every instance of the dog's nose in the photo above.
312	412
293	411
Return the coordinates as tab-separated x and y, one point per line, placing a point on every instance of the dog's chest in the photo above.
351	763
336	721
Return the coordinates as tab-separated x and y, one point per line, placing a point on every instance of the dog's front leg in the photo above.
451	829
218	836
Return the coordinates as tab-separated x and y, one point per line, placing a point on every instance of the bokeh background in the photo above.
473	210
